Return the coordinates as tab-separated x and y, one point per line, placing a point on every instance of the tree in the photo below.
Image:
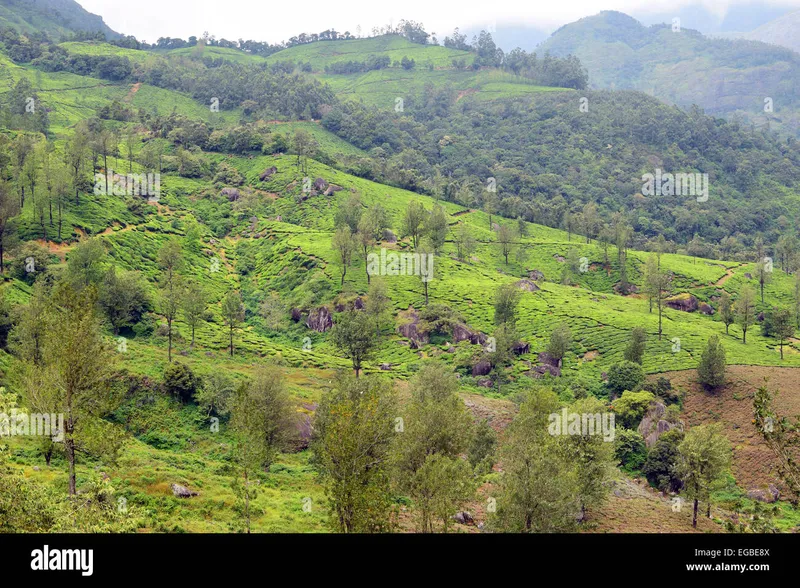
193	305
661	466
506	301
593	455
353	335
86	264
105	145
303	146
75	156
635	350
170	261
711	371
9	208
413	221
539	487
797	299
746	310
436	423
661	285
215	394
560	342
353	433
703	457
726	311
506	236
233	314
77	365
625	375
782	326
263	422
378	305
345	246
349	214
763	273
651	271
465	242
123	297
436	228
366	239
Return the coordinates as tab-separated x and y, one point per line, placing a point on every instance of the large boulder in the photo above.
320	319
683	302
409	328
521	348
232	194
267	173
653	424
536	275
464	518
182	491
482	368
527	285
706	308
462	333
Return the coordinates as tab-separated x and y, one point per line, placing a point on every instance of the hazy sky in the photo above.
275	21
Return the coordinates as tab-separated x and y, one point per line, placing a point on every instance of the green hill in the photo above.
56	18
724	77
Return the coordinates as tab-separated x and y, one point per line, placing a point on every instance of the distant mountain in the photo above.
783	31
752	80
57	18
737	17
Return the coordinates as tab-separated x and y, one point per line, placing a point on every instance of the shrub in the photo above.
631	407
660	467
625	375
630	450
180	381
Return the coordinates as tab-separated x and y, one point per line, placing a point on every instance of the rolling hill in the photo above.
732	78
56	18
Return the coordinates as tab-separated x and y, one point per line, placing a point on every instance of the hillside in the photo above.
783	31
724	77
236	307
57	18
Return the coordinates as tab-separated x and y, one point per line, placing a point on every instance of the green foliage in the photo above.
180	381
625	375
635	350
711	371
631	407
661	465
629	450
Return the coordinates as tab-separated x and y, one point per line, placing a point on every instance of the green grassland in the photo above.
393	46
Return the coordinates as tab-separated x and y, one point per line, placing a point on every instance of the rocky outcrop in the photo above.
536	275
683	302
527	285
267	173
770	495
482	368
332	188
320	319
653	424
706	309
410	329
521	348
182	491
232	194
464	518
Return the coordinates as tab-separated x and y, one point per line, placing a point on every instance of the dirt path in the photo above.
132	93
729	273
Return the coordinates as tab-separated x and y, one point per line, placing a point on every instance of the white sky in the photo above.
274	21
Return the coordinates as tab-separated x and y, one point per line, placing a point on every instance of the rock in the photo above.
527	285
331	189
748	276
485	383
182	491
386	367
319	184
536	275
389	236
358	303
760	495
267	173
232	194
320	319
706	309
409	328
760	318
776	494
521	348
184	353
547	359
209	354
652	426
540	370
297	314
462	333
482	368
36	468
559	258
683	302
464	518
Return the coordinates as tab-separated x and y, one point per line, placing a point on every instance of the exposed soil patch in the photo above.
754	465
